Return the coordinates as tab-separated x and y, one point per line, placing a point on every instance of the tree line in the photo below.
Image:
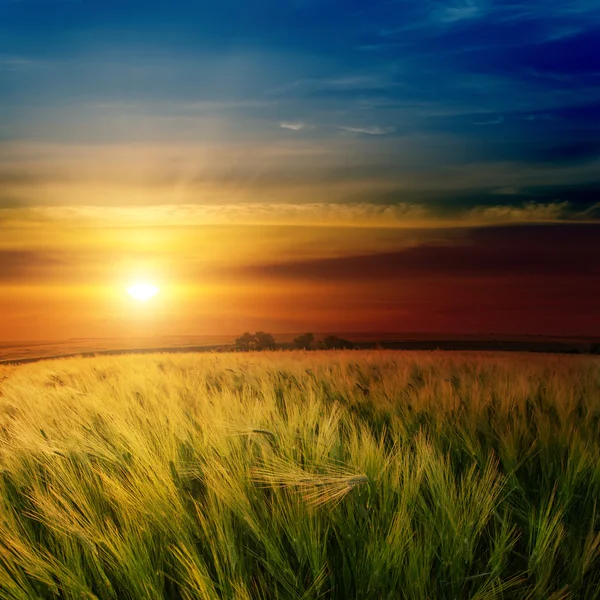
261	340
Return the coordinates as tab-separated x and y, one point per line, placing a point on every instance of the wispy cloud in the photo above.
530	212
436	16
294	126
548	9
383	78
552	21
399	215
592	212
14	63
495	121
369	130
450	14
540	117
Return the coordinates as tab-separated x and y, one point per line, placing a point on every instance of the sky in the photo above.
376	166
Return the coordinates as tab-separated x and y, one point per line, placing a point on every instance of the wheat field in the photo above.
301	475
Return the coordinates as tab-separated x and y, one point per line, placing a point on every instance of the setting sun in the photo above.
143	291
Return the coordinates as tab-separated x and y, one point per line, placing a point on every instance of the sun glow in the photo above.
143	291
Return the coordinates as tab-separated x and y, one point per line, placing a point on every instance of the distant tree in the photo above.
595	349
261	340
246	342
264	341
333	342
304	341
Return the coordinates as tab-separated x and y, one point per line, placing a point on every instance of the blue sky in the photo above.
500	100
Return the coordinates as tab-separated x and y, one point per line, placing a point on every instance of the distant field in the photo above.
31	351
301	475
47	349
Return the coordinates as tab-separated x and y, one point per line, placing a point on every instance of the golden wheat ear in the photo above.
316	488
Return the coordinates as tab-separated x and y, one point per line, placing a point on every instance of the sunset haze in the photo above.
299	166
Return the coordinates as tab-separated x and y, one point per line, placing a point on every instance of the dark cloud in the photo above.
559	250
449	202
28	265
573	152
